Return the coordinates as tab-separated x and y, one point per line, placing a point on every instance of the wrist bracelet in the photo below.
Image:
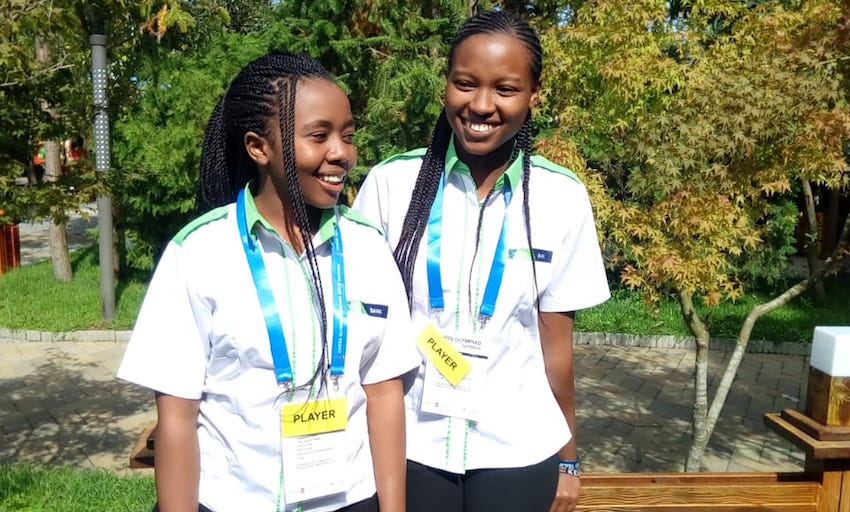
570	467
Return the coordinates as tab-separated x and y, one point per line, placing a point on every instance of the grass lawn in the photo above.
26	488
31	299
795	321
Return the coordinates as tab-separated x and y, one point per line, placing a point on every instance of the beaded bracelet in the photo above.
570	467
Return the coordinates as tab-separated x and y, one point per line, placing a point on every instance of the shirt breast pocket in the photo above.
518	286
367	321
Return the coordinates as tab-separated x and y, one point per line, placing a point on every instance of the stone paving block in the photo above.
123	336
93	335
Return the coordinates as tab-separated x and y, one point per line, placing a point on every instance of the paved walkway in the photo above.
60	402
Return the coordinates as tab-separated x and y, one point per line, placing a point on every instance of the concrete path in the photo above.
60	404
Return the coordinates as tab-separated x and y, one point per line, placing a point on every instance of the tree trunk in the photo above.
700	441
830	221
700	430
59	255
812	239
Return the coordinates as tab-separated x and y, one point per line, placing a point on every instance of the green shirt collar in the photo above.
513	173
253	217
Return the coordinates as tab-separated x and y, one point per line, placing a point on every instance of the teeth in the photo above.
331	179
480	127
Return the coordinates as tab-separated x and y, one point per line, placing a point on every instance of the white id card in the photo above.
313	448
439	396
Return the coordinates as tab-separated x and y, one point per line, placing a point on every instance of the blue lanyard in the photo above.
277	340
497	269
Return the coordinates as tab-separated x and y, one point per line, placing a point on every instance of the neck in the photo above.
277	209
486	169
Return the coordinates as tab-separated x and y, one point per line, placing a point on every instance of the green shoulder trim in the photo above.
413	153
214	214
541	161
359	218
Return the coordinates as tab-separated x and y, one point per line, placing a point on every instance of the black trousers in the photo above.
367	505
526	489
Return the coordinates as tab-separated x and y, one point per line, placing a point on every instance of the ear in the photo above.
258	149
532	101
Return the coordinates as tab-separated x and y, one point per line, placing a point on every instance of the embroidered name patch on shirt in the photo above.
376	310
540	255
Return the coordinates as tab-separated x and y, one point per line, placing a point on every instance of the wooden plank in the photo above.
603	479
813	448
844	500
699	496
142	454
816	430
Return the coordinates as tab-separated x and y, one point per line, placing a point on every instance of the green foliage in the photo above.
626	312
690	124
388	56
158	143
30	297
766	267
26	488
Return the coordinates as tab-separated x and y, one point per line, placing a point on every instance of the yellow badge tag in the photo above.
316	417
443	355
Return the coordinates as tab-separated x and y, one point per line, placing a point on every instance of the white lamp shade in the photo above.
831	350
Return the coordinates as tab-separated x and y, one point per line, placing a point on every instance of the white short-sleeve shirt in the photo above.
201	335
521	422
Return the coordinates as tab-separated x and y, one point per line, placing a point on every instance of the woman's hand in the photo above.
566	496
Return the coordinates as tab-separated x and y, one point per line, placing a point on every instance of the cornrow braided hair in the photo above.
433	164
265	87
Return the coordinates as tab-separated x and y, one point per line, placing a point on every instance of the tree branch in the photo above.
52	69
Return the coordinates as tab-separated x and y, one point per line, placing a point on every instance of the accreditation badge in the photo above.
313	448
454	374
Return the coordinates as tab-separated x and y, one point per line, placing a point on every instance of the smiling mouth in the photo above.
479	127
331	178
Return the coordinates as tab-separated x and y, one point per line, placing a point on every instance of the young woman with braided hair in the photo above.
276	355
497	249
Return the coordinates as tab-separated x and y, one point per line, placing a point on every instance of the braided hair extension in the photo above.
433	164
263	88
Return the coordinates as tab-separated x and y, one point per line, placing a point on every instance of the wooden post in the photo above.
10	247
823	430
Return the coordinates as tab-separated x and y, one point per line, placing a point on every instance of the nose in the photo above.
482	102
341	153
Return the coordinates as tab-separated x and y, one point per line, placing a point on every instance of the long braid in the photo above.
424	192
214	179
263	88
286	104
427	182
524	138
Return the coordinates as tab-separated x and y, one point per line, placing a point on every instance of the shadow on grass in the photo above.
65	406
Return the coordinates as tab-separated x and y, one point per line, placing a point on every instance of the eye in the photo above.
464	85
348	138
319	136
505	90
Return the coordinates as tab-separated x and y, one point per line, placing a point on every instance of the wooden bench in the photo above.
702	492
824	487
142	454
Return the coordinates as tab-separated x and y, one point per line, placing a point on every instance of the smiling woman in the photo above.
273	392
497	249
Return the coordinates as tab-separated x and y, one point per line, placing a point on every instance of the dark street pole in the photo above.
102	164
